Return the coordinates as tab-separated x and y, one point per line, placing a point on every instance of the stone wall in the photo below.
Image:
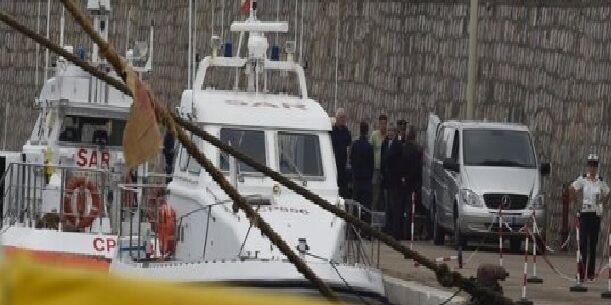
545	64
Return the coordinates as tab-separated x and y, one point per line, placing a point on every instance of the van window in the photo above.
448	139
455	147
490	147
439	144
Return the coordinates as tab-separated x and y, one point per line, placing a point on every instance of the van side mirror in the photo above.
451	165
545	169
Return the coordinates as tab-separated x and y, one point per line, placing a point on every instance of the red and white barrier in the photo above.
578	287
524	281
607	294
534	279
609	264
500	235
411	245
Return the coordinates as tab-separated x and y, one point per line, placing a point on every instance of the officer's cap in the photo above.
593	159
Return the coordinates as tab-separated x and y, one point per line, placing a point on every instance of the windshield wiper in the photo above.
293	166
502	162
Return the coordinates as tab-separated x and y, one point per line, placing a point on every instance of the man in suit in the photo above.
361	159
391	175
401	130
341	140
412	173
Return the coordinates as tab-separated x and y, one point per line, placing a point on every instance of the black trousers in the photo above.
363	193
589	227
342	180
396	200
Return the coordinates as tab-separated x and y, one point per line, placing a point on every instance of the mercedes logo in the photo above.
506	202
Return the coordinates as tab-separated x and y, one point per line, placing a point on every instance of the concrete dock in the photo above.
553	290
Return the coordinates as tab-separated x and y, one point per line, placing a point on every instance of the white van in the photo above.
474	170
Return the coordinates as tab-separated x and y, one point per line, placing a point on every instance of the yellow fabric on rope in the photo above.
141	138
25	283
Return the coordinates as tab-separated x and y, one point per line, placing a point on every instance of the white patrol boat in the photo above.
288	133
59	194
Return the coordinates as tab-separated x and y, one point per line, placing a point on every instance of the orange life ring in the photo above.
167	229
71	212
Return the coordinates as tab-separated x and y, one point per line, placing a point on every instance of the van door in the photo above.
445	179
451	181
427	162
437	172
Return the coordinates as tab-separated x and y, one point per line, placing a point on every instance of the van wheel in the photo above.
439	235
515	245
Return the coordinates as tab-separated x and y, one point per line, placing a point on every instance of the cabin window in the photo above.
90	130
250	142
193	167
299	155
184	158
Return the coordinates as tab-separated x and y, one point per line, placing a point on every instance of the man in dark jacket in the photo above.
169	151
412	173
401	130
361	159
391	173
341	140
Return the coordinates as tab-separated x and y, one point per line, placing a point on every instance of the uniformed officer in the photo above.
595	193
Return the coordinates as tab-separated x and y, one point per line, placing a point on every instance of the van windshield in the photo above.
489	147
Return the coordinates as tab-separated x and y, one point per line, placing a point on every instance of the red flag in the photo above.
245	7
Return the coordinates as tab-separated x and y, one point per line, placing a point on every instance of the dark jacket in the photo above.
391	163
361	159
341	140
411	158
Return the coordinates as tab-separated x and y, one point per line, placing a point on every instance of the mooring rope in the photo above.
445	276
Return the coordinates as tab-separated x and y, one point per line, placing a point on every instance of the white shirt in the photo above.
593	191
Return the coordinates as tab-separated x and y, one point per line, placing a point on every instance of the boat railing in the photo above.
35	195
139	214
360	249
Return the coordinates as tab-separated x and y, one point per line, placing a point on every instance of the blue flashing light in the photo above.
275	53
81	53
228	50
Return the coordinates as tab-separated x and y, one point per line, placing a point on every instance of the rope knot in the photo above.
444	276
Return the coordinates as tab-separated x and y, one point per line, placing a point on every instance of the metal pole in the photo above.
472	68
47	50
206	236
62	179
190	46
301	35
194	51
336	57
37	47
61	28
6	111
